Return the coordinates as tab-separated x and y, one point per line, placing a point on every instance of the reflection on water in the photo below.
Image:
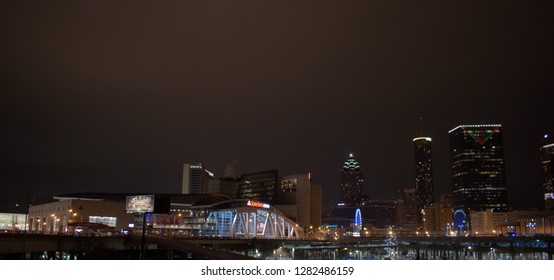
523	248
396	253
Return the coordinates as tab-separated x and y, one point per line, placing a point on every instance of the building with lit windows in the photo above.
438	218
547	156
261	186
294	195
196	179
189	215
351	182
423	172
12	222
478	172
521	223
407	211
294	198
375	215
216	215
70	213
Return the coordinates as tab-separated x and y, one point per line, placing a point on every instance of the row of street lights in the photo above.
55	225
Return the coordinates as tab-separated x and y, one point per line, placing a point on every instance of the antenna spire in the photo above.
421	125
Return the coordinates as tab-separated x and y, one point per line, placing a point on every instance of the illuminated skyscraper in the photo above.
478	172
547	154
423	172
196	179
351	182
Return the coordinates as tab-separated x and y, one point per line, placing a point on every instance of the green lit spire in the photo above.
351	163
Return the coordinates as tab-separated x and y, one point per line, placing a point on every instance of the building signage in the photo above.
257	204
140	204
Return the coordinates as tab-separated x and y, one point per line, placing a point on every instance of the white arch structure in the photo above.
251	222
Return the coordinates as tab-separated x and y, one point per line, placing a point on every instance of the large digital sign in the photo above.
140	204
253	203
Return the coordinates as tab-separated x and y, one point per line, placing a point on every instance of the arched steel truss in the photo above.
251	222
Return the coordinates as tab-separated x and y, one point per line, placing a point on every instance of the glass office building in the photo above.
478	171
260	186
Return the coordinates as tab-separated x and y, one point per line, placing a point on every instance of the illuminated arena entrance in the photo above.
251	219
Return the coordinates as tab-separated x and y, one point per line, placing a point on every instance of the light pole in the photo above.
532	226
53	224
77	214
143	237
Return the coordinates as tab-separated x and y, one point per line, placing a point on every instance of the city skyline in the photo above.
351	162
118	96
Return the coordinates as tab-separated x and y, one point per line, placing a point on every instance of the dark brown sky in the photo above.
104	96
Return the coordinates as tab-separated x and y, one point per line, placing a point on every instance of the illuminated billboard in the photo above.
253	203
140	204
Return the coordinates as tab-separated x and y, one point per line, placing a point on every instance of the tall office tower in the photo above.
423	172
351	182
261	186
547	154
478	172
196	179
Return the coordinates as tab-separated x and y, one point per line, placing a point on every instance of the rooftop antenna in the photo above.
421	125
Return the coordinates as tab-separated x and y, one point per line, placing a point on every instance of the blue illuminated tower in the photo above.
357	228
358	219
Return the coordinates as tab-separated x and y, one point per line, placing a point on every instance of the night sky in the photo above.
114	96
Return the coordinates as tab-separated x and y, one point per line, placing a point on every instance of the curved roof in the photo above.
238	203
422	138
198	200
